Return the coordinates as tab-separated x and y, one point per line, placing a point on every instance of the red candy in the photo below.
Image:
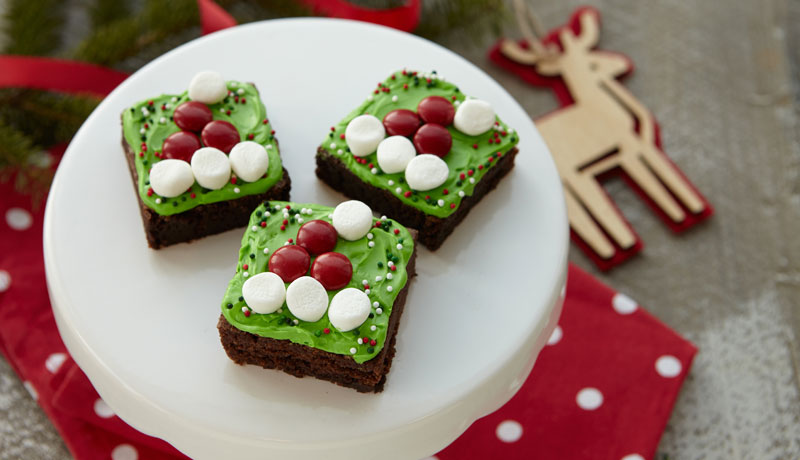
433	138
289	262
192	116
401	122
220	134
333	270
317	237
436	109
180	146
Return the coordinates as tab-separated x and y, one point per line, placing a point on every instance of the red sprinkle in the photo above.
452	205
291	240
244	100
247	313
397	231
491	159
498	154
146	126
233	180
445	191
393	77
366	286
285	222
373	342
376	91
341	136
244	267
504	133
227	112
193	195
462	176
405	85
480	166
475	146
326	330
236	99
288	206
427	197
491	141
407	194
405	73
141	154
150	191
149	102
370	166
394	267
263	224
470	172
333	129
497	123
283	227
251	136
365	340
265	121
163	107
272	132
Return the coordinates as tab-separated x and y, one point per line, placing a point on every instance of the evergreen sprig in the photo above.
33	27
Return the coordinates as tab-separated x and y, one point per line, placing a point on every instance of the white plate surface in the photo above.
141	323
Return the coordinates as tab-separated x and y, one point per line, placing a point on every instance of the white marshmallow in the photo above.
171	177
249	160
264	292
363	134
352	219
349	309
426	171
394	153
211	167
307	299
207	87
474	117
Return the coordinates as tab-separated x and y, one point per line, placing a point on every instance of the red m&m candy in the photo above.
192	116
220	134
401	122
289	262
433	138
317	237
180	146
436	109
333	270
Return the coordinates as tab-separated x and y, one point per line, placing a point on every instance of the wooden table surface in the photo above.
722	78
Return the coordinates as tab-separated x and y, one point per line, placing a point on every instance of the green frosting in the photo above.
146	125
410	88
368	263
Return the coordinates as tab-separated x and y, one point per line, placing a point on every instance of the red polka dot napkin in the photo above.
602	388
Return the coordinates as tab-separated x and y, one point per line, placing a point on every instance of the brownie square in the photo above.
475	162
199	211
358	359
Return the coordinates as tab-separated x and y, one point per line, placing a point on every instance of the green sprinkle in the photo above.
230	305
318	333
370	350
380	264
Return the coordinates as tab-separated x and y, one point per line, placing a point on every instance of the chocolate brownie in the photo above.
260	327
420	150
201	161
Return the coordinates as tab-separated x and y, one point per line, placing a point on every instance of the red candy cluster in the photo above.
317	237
195	117
432	137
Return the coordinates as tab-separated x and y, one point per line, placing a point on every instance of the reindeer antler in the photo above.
531	30
589	34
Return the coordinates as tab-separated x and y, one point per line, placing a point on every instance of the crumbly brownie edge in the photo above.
432	230
203	220
300	360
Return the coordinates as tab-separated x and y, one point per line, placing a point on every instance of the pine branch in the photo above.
47	118
33	27
104	12
259	10
472	19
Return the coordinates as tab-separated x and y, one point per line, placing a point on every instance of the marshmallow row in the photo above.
210	167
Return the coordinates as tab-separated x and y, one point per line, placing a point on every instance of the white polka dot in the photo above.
124	452
509	431
623	304
668	366
102	409
5	280
589	398
19	219
555	337
31	390
53	362
633	457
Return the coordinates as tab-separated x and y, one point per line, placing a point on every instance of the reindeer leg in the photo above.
581	222
677	184
589	192
634	166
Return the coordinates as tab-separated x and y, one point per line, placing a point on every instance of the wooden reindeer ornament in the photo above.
600	130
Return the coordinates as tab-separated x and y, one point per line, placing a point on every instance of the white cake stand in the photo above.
141	323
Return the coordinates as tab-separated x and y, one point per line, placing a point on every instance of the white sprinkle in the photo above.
280	310
174	99
364	282
162	120
370	98
236	190
440	202
244	309
333	145
267	214
379	310
367	291
457	103
246	274
221	110
330	216
340	151
370	236
374	170
353	351
371	244
394	98
145	112
277	207
240	91
286	243
375	304
299	220
167	106
389	288
383	218
399	246
254	228
390	263
471	180
142	131
296	322
391	182
361	341
510	130
233	83
268	147
266	250
158	200
398	190
389	276
461	193
378	278
373	328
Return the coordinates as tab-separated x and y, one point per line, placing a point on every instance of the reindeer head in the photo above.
576	54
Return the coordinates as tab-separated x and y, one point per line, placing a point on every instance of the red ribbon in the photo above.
58	75
213	17
405	18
